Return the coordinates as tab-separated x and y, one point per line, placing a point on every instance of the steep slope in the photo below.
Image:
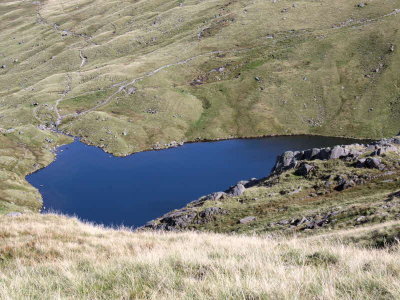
128	75
135	75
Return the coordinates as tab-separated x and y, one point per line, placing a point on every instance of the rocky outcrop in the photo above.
237	190
173	220
207	215
345	183
292	159
289	159
304	169
172	144
185	217
352	216
182	219
370	163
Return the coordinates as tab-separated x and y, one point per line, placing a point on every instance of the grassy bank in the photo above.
24	150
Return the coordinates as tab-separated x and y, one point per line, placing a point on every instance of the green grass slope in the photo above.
148	72
134	75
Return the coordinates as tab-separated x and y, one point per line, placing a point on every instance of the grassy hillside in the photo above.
52	257
135	75
126	75
24	150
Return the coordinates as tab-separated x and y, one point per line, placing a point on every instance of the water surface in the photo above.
95	186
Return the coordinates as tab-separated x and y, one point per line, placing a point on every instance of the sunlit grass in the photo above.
56	257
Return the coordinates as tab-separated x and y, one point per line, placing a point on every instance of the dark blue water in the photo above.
95	186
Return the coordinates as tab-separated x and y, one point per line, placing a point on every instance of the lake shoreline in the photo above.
180	175
223	139
56	149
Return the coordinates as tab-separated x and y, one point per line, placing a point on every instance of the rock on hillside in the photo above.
182	218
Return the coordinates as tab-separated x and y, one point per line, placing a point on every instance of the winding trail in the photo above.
83	58
41	20
353	23
122	86
58	101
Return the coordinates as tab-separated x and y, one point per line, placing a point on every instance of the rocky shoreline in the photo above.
303	164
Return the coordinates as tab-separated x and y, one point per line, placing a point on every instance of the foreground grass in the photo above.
49	256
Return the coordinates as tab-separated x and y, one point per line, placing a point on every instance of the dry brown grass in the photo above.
52	257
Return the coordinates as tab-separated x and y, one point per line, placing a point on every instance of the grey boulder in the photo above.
304	169
247	220
338	152
14	214
237	190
